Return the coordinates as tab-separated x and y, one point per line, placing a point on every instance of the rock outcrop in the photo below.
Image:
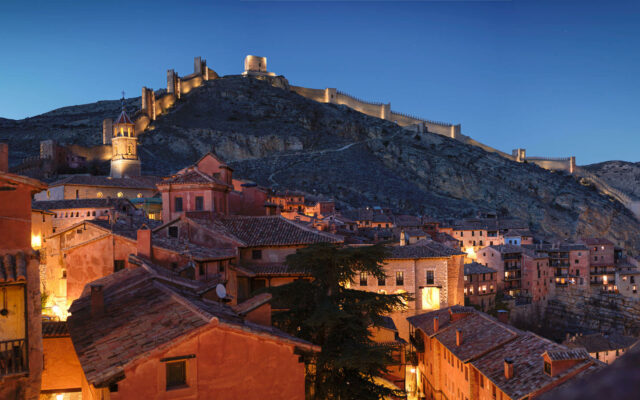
280	139
622	175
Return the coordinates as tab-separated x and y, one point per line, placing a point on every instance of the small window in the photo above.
176	374
139	195
64	274
120	194
173	231
399	278
199	203
256	254
547	368
177	204
363	278
382	281
430	278
201	270
118	265
99	195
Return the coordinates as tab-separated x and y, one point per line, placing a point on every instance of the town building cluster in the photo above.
130	286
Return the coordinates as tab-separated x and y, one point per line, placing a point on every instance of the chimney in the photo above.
4	157
97	301
508	368
436	324
458	337
144	243
503	316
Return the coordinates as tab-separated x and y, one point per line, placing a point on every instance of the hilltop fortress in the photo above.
154	105
256	67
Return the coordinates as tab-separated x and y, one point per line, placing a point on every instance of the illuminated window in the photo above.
363	278
139	195
399	278
120	194
99	194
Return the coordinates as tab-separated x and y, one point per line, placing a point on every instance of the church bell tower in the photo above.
124	146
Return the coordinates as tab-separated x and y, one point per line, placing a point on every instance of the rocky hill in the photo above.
280	139
622	175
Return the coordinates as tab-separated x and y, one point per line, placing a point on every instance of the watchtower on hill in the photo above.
254	65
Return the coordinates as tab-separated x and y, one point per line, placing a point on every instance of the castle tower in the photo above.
124	145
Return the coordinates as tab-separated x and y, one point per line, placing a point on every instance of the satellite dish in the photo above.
221	291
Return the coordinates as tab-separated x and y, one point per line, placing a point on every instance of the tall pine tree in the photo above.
327	313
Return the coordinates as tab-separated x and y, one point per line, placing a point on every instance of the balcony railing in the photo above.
13	357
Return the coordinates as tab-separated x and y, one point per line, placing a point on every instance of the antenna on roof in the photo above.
122	100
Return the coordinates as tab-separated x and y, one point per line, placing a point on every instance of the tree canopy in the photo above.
326	312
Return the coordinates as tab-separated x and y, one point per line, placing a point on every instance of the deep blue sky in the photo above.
558	78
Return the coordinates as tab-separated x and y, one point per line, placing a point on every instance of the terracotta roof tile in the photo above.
13	267
54	329
477	268
80	203
424	322
566	354
267	231
139	182
274	270
526	353
143	312
192	175
422	249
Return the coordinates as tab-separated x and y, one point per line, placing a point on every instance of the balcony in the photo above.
13	357
512	267
512	277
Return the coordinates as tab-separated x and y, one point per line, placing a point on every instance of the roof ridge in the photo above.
206	317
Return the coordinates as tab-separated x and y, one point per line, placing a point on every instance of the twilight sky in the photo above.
558	78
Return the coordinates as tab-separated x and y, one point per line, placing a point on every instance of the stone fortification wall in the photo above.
379	110
311	94
556	164
576	310
177	86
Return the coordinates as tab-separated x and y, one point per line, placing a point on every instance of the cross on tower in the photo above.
122	100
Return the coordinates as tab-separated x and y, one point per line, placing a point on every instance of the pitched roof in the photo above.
415	232
192	176
13	267
138	182
422	249
424	322
254	231
480	333
506	248
123	118
597	241
129	229
477	268
576	353
273	270
24	180
599	342
526	353
54	329
142	312
80	203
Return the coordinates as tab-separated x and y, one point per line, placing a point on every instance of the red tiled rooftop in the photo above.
424	322
422	249
528	365
253	231
144	311
480	333
54	329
